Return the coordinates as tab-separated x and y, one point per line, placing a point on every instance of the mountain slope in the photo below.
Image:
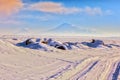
66	28
69	28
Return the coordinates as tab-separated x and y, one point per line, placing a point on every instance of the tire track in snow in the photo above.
109	67
86	71
116	73
97	71
59	73
70	74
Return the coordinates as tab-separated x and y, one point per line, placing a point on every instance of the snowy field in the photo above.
82	60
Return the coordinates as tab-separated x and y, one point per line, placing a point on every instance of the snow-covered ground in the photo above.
83	62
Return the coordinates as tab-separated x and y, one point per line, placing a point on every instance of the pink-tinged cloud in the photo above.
9	22
59	8
52	7
8	7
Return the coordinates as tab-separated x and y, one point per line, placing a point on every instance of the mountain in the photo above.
23	31
69	28
65	28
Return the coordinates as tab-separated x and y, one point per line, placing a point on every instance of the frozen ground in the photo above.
83	63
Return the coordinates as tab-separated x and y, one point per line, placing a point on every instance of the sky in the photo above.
99	17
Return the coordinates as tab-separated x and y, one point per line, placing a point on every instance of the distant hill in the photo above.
69	28
65	28
23	31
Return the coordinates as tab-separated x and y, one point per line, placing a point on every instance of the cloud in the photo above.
109	12
52	7
59	8
93	11
44	17
8	7
9	22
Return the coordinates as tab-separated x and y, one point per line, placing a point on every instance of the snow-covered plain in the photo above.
81	63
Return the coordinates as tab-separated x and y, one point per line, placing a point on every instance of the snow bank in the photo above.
29	43
46	43
94	43
60	45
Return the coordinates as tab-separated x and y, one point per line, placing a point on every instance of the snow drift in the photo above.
40	44
79	62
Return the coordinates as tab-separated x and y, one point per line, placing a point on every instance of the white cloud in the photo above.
108	12
9	7
44	17
59	8
93	11
52	7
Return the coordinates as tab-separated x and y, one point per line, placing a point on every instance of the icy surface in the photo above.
39	61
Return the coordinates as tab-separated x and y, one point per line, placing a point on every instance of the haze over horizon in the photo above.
90	17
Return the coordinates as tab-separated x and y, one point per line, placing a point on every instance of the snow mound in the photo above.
32	44
60	45
53	43
71	45
94	43
99	43
48	44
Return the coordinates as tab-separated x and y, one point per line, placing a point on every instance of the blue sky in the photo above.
36	16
